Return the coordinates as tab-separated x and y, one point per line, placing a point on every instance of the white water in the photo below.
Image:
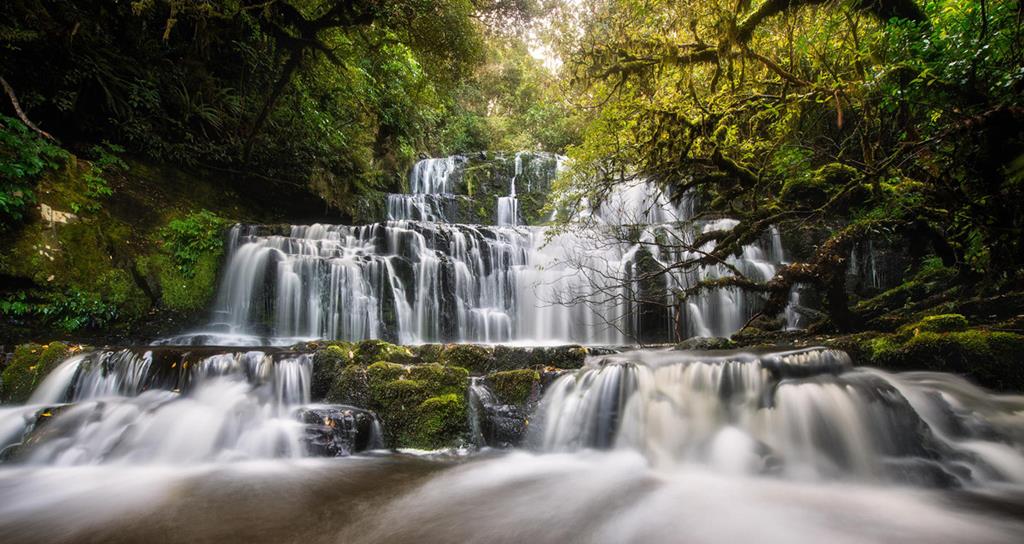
220	407
802	415
415	282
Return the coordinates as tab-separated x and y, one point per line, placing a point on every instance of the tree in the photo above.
873	116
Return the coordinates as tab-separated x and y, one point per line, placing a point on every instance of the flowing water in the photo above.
420	278
640	446
227	444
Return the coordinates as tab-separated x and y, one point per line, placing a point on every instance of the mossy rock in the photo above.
477	359
351	386
370	351
514	386
937	323
29	367
991	358
429	353
440	421
816	189
398	394
328	363
702	343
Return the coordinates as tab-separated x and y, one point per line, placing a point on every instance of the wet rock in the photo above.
28	367
328	363
993	359
516	387
338	430
703	343
420	406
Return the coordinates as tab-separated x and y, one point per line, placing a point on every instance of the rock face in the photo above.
338	430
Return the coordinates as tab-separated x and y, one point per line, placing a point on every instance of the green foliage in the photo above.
187	240
29	367
24	157
97	188
334	96
938	323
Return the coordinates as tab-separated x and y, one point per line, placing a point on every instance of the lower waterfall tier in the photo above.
196	445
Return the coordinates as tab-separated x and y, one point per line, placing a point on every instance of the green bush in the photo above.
189	239
24	156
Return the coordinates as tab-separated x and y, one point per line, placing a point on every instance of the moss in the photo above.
370	351
328	364
514	386
814	190
477	359
440	421
351	386
991	358
440	377
938	323
28	368
399	395
429	353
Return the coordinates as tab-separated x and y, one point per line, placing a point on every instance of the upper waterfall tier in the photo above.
479	189
610	279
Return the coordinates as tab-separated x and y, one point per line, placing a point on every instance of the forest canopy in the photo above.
340	96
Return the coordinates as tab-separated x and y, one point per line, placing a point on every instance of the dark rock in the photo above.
703	343
338	430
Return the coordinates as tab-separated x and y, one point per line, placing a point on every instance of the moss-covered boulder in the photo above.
703	343
475	358
439	421
814	190
992	359
371	351
328	363
516	387
421	406
936	323
28	368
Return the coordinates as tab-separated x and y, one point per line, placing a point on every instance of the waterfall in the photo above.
804	414
418	278
508	206
125	407
431	199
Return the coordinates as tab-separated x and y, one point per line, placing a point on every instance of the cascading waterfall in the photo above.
801	414
432	281
432	198
119	406
508	206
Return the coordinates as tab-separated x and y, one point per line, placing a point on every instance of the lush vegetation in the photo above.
335	97
884	119
895	120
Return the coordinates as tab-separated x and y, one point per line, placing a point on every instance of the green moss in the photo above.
398	395
30	365
440	421
328	364
351	386
815	189
478	359
514	386
939	323
181	292
430	353
991	358
369	351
